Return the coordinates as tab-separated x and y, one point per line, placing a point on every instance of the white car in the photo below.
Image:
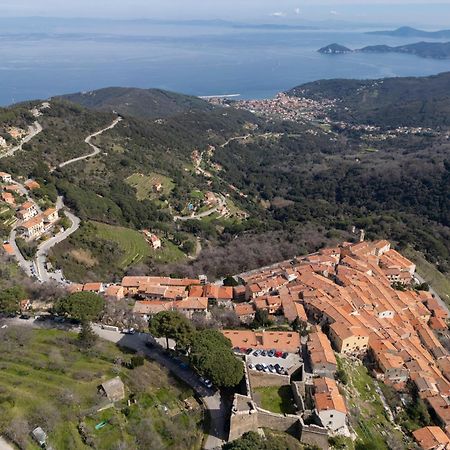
206	382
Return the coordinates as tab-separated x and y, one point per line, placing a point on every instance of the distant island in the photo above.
412	32
434	50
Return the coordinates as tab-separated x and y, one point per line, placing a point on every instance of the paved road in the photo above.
33	130
25	265
42	252
96	150
211	399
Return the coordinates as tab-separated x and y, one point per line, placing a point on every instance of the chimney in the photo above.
362	235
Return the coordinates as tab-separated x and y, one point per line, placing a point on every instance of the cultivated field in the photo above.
131	242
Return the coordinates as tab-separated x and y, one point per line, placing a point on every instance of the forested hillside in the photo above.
392	102
289	187
144	103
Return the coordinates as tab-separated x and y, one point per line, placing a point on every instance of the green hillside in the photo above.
47	381
144	103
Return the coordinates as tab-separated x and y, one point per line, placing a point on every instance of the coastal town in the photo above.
357	301
307	111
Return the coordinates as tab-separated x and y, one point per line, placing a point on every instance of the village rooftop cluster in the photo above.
354	299
30	220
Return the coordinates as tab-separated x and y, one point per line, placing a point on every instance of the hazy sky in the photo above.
388	11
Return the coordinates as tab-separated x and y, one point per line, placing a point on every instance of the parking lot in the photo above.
291	360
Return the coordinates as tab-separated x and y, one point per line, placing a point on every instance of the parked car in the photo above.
259	367
278	354
263	353
265	367
256	352
271	368
206	382
285	355
244	350
128	331
251	366
24	317
236	350
249	351
277	366
271	353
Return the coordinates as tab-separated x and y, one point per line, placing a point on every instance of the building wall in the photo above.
396	374
332	419
353	344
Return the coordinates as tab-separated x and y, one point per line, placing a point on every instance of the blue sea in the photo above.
198	60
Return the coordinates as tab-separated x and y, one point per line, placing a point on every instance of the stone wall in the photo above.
313	435
263	379
298	391
244	417
287	423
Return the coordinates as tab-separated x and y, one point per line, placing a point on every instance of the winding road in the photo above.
41	255
38	267
96	150
33	130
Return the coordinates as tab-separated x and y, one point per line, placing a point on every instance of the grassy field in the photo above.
367	415
144	185
439	282
47	381
99	251
276	399
131	242
168	253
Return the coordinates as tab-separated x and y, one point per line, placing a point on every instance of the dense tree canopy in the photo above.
82	306
172	325
212	356
10	298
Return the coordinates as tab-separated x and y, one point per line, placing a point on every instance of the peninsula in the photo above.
433	50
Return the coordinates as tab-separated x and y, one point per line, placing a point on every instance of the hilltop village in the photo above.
354	301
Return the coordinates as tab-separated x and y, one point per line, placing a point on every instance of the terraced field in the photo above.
131	242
